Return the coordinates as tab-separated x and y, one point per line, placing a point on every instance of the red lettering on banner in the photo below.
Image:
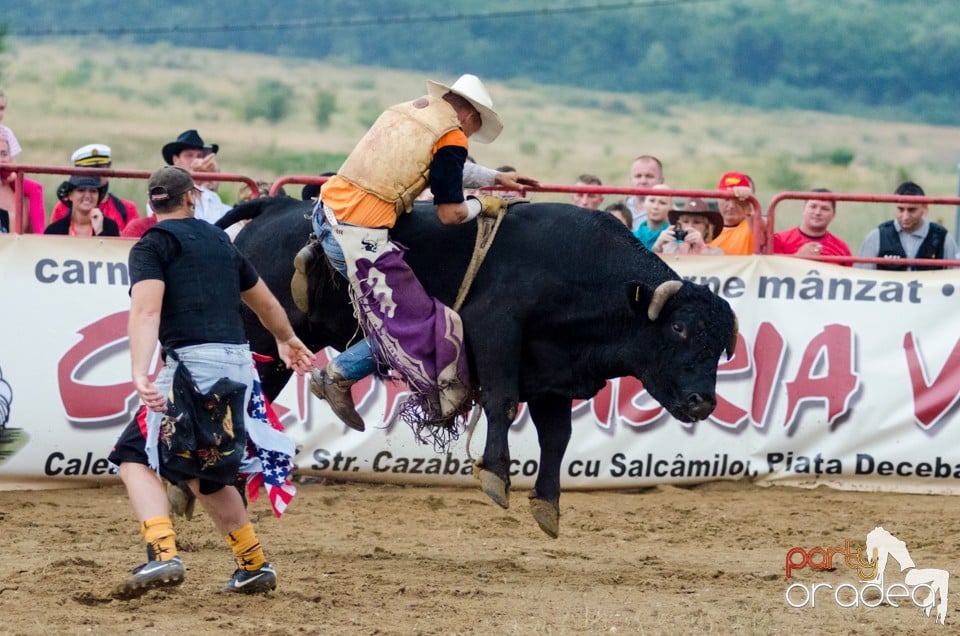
932	400
601	406
397	392
769	353
727	414
94	403
629	392
834	346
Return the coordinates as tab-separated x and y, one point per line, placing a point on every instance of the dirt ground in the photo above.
379	559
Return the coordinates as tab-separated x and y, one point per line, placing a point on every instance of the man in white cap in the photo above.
121	211
411	146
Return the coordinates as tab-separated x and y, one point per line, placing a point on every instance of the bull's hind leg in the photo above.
551	416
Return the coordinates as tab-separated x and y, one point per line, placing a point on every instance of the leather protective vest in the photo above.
201	297
932	246
392	161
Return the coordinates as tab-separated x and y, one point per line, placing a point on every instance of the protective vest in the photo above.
932	246
392	161
201	297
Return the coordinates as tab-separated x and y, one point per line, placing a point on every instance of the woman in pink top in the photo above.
36	217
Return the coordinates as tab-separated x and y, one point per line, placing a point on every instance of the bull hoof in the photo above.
181	501
547	514
495	487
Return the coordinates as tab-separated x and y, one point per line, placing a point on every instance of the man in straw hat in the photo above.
411	146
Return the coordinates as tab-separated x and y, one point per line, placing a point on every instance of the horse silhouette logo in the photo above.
881	545
6	398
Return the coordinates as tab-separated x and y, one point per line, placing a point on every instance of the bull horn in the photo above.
660	297
732	343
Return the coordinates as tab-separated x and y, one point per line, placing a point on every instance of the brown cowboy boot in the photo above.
336	391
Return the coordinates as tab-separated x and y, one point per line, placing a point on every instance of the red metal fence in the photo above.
763	225
18	218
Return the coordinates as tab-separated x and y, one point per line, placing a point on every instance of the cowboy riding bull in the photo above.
564	300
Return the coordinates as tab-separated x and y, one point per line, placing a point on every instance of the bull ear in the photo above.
732	343
638	295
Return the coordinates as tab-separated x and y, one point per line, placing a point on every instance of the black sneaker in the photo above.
253	581
149	576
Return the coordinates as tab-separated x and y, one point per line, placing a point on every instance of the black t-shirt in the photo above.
156	250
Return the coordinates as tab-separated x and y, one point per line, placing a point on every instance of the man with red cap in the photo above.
737	236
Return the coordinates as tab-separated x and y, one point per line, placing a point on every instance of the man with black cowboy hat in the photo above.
121	211
188	151
81	195
187	282
411	146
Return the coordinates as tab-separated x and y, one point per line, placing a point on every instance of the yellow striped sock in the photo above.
160	537
246	548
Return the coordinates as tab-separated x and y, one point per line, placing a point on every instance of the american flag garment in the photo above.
269	453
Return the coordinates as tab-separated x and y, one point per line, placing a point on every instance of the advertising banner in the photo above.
843	377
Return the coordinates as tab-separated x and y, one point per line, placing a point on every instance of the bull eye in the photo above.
679	328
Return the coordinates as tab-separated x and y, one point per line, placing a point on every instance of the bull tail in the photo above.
248	210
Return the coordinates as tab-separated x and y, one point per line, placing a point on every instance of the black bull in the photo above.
565	299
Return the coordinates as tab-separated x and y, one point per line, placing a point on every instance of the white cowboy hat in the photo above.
471	89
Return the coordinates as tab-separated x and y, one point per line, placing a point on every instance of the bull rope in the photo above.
471	427
486	231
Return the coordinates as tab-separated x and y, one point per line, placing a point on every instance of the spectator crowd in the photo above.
663	223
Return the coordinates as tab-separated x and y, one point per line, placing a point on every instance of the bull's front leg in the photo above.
552	418
494	470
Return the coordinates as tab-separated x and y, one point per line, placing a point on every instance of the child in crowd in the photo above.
657	207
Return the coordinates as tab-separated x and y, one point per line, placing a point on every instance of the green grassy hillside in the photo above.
63	94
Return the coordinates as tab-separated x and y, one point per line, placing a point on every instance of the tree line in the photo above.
886	58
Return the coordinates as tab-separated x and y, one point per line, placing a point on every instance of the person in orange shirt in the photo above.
411	146
737	236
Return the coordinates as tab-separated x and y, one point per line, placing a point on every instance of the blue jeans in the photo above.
357	361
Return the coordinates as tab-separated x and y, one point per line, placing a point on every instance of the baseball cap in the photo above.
169	183
732	180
